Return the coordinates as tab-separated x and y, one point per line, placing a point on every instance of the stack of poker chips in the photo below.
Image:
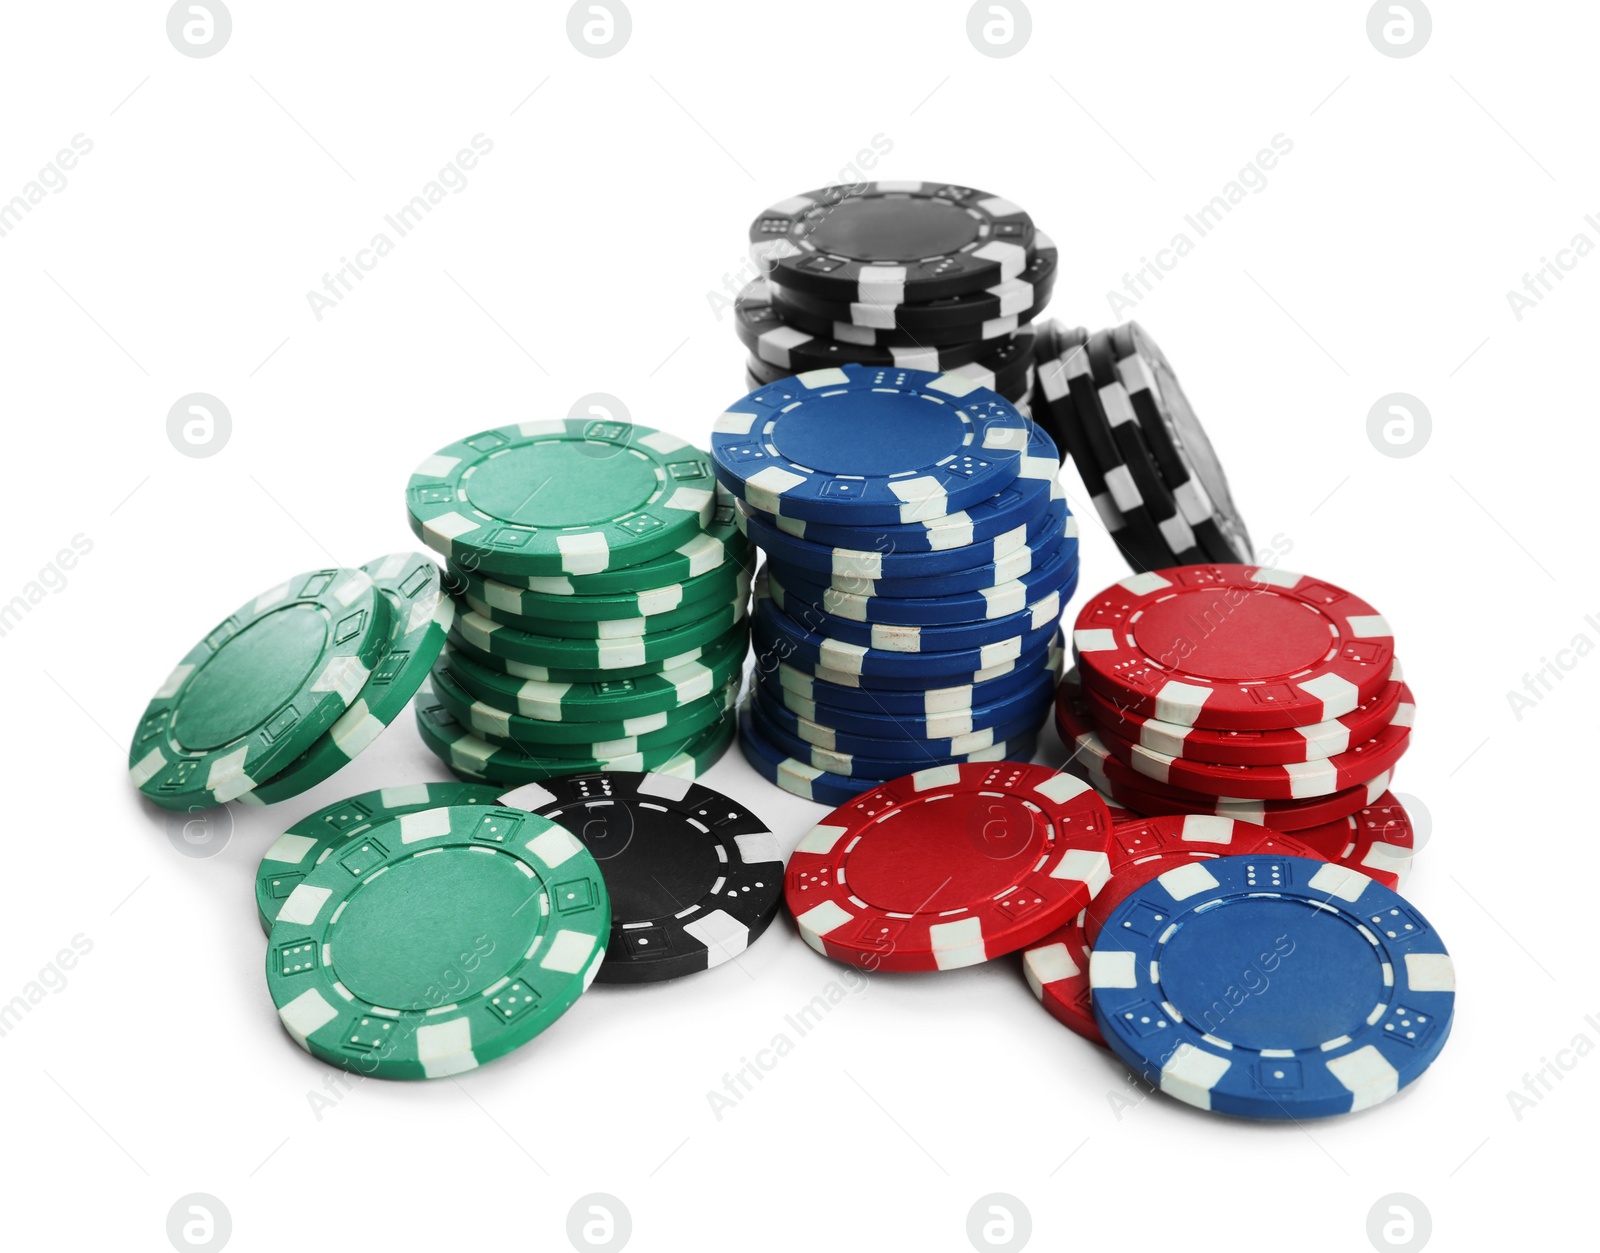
1115	403
602	588
1247	693
919	551
928	276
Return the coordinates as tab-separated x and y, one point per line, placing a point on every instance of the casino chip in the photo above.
419	616
694	877
474	758
1113	401
1377	840
304	846
1009	299
1057	971
949	867
1283	649
1143	848
1092	760
871	446
567	497
1362	987
1183	453
890	243
260	689
437	941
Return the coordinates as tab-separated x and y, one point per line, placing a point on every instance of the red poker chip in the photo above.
1177	846
1297	781
949	867
1094	762
1057	969
1377	840
1313	742
1233	647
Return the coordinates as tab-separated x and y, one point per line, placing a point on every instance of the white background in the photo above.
579	258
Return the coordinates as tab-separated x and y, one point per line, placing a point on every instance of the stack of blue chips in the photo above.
919	552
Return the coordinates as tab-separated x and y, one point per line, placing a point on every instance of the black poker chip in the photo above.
694	877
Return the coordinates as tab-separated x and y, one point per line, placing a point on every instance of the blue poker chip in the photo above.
1024	500
798	736
869	446
879	563
880	723
805	780
773	650
900	638
951	700
1020	747
816	649
858	600
1272	987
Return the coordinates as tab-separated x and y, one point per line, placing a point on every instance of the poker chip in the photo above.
1011	298
1055	578
889	243
1093	760
834	654
693	876
1296	781
419	616
1377	840
1183	452
585	674
558	653
884	572
577	739
787	306
572	496
870	445
615	628
778	348
1147	500
879	723
260	689
949	867
1362	987
721	543
437	941
1313	742
606	700
857	753
1027	498
562	614
472	757
922	701
1283	649
1147	847
304	846
1057	971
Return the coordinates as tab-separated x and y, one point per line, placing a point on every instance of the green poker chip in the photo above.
420	614
624	629
597	740
575	496
583	617
582	674
437	941
302	848
259	689
495	640
608	699
722	543
473	757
